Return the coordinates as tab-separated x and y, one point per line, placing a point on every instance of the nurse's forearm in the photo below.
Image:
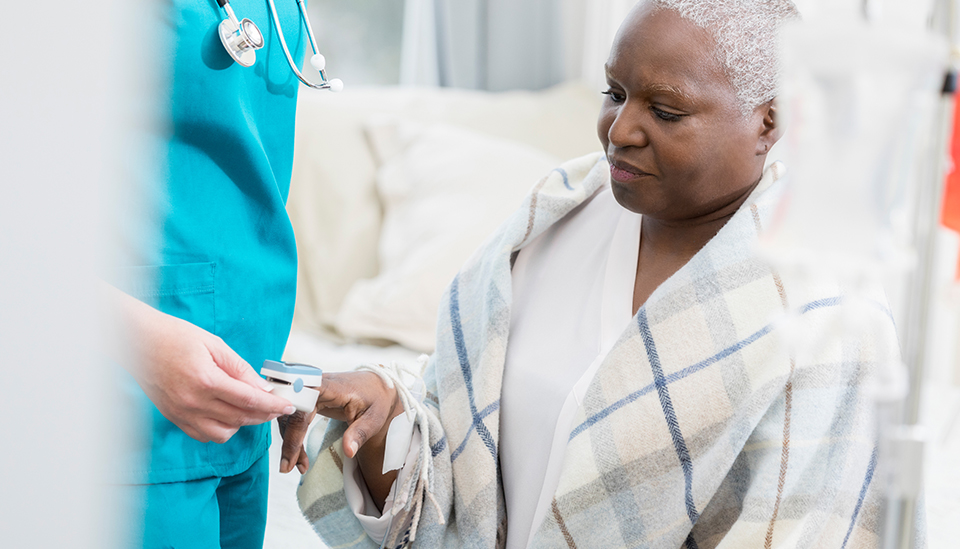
195	379
117	309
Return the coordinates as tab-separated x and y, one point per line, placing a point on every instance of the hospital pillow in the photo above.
334	203
444	190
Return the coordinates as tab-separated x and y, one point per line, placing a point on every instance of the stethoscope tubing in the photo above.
325	85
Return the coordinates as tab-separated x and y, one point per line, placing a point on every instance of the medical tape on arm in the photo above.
411	390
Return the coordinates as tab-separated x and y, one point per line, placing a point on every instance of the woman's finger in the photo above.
294	430
366	425
340	392
335	412
337	389
360	399
303	463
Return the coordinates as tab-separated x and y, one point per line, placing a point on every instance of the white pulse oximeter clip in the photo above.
293	382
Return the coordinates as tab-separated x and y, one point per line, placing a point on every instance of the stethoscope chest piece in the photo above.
241	41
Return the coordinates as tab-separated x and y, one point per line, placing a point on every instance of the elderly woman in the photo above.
608	370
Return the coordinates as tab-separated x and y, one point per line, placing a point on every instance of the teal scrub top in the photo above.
224	258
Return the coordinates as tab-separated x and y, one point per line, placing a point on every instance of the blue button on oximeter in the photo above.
293	382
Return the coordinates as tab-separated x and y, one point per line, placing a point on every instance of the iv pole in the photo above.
903	442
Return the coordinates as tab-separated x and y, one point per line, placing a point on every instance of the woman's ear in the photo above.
770	128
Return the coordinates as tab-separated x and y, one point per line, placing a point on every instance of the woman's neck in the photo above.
665	247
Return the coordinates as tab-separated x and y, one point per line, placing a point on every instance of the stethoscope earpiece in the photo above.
242	39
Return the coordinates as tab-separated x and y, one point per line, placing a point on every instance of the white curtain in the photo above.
419	60
532	44
508	44
492	44
598	21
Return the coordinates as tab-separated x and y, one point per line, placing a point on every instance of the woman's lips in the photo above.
625	175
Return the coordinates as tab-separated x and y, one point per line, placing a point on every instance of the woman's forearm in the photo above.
370	459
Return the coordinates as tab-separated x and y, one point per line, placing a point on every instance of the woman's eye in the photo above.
616	97
664	115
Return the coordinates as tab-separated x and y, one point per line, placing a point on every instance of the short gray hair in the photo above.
747	36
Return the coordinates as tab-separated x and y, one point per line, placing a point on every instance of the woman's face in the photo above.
680	150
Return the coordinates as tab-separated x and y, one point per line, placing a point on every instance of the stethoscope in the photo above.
242	39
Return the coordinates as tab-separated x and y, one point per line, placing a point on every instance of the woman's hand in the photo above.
195	379
293	429
367	405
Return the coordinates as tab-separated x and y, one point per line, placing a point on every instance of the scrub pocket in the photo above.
185	290
156	450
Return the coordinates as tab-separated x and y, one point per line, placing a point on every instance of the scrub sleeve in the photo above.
222	256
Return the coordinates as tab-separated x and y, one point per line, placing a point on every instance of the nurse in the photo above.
210	288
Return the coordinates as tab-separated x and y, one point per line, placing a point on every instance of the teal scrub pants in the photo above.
226	512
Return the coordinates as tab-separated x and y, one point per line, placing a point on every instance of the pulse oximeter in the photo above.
293	382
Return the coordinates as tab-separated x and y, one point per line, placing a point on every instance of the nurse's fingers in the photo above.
249	393
255	403
209	430
228	414
237	368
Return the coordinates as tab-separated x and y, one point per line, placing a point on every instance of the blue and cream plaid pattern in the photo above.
730	413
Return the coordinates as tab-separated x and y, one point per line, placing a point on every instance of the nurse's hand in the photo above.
195	379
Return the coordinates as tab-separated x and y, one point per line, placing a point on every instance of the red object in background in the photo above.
950	215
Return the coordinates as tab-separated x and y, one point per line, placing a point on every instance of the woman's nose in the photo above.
627	128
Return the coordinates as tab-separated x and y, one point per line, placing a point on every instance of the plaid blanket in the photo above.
731	413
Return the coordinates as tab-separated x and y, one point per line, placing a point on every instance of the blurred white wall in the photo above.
361	40
60	101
